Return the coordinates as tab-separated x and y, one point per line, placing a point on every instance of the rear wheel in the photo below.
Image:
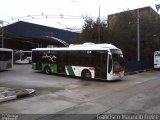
86	74
47	70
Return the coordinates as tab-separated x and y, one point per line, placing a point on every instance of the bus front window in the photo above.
118	61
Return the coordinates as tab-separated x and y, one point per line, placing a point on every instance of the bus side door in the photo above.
101	64
61	62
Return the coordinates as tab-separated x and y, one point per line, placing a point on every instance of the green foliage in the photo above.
123	34
125	31
90	31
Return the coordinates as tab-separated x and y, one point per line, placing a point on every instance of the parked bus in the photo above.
157	59
88	60
6	58
22	57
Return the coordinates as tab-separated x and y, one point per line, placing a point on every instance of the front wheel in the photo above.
86	74
47	70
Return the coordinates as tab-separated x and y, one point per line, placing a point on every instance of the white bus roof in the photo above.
5	49
25	51
157	51
85	46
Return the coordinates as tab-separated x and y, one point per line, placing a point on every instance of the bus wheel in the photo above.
47	70
86	74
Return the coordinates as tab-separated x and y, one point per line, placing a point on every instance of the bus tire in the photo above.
47	70
86	74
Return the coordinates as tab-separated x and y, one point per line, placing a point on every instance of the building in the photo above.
142	11
141	35
24	36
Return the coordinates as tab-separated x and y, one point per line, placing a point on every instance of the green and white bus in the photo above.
6	58
88	60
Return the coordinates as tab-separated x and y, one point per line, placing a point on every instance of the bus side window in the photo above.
110	64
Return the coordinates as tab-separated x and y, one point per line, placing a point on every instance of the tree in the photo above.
124	34
90	31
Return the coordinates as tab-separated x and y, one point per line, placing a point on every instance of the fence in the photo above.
139	65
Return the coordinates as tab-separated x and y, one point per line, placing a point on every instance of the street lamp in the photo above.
1	22
138	41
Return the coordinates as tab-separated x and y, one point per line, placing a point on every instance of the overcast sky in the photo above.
41	11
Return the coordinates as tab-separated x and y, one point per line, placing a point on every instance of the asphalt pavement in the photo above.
61	97
7	94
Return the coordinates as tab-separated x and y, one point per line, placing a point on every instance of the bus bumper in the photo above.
118	76
156	66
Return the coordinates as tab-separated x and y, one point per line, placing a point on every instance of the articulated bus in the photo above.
88	60
6	58
22	57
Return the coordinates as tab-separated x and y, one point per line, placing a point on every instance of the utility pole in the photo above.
1	22
138	40
99	30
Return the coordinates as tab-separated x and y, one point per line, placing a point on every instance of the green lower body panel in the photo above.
53	67
34	66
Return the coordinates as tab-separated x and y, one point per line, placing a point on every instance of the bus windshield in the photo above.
118	61
5	55
6	58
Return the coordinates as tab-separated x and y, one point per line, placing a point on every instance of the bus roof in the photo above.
157	51
85	46
5	49
24	51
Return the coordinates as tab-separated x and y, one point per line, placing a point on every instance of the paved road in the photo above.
137	93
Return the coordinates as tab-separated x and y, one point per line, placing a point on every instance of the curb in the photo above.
25	93
138	71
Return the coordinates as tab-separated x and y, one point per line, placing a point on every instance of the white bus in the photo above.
22	57
88	60
6	58
157	59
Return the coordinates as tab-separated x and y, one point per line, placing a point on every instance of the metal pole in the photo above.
1	22
2	36
138	40
99	32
